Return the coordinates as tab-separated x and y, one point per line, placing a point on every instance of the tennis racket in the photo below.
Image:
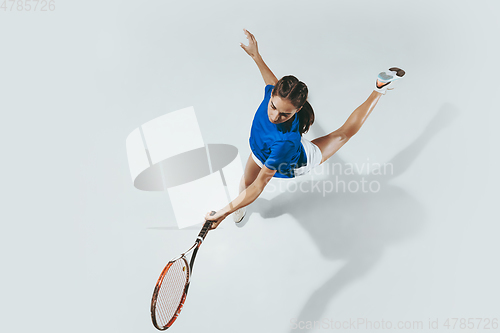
172	286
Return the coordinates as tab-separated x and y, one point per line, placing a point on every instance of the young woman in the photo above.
278	148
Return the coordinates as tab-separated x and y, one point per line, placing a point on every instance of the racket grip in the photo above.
206	227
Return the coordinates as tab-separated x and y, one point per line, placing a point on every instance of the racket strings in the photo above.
171	291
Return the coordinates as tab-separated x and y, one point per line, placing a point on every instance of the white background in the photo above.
81	248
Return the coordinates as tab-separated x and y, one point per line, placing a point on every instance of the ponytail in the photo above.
306	117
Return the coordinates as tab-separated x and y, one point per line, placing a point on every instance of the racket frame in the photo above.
201	236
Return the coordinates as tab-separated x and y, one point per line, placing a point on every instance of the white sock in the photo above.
380	90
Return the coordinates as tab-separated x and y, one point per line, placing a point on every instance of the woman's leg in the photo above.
251	172
331	143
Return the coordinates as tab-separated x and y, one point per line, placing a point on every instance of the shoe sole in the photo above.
385	77
399	71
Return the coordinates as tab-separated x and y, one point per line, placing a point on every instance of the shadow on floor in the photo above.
354	226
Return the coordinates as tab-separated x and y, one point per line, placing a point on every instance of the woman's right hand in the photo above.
251	49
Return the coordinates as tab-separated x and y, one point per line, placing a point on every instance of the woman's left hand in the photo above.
218	217
251	49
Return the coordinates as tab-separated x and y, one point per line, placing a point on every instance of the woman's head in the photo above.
289	97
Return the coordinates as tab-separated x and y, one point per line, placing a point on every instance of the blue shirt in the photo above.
277	146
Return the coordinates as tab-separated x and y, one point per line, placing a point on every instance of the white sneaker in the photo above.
387	77
239	214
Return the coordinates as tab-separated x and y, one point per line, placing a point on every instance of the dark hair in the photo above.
289	87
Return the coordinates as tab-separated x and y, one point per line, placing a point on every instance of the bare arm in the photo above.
267	75
253	51
245	198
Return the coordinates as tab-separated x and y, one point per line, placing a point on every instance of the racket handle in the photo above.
206	227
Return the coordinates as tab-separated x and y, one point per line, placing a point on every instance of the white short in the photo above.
313	154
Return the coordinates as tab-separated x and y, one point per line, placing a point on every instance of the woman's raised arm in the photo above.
253	51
